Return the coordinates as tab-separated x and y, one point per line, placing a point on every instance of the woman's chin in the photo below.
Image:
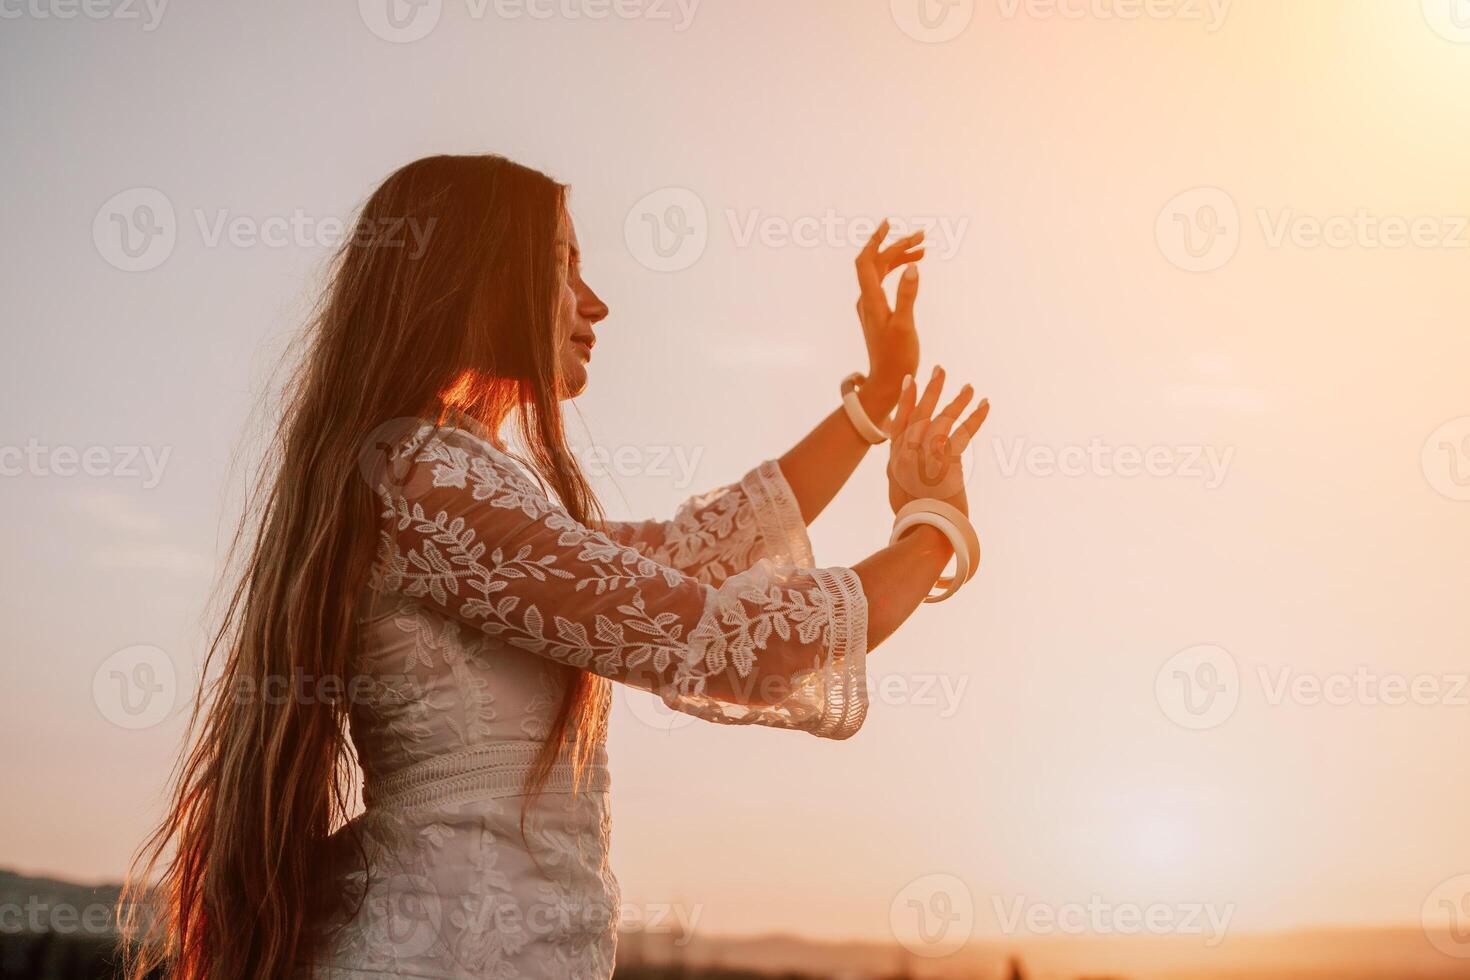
573	380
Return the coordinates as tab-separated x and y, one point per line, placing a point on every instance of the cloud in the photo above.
134	537
1231	398
117	512
151	557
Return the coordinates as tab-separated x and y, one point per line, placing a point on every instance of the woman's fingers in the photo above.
868	259
904	410
925	406
907	258
970	426
874	263
875	242
946	419
903	244
908	291
904	250
872	302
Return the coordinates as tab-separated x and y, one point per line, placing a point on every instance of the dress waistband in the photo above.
492	771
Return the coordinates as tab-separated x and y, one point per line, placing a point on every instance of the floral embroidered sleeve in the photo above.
777	645
715	535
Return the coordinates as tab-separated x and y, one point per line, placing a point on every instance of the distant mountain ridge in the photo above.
1319	954
26	899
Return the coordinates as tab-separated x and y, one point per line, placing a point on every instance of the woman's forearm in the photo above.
898	578
818	466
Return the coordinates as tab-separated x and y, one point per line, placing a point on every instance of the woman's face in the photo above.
578	310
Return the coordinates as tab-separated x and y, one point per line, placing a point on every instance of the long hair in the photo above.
444	298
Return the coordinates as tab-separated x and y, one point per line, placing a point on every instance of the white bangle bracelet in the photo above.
874	435
955	526
950	584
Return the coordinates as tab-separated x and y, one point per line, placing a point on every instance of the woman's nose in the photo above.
591	307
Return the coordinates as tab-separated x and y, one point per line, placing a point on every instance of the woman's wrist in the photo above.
928	541
949	523
879	395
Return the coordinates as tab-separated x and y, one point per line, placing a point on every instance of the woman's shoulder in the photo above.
412	455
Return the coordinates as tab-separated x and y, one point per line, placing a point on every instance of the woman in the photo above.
463	624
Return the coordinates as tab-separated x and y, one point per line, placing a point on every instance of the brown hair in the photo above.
460	315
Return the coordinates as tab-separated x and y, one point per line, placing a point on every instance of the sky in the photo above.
1207	260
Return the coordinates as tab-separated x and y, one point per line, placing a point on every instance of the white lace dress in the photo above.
484	595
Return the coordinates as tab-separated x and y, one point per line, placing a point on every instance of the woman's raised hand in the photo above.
892	341
925	453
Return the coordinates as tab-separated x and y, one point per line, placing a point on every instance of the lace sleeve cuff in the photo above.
778	516
827	696
845	684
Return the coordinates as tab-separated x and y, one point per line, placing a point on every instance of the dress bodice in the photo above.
484	602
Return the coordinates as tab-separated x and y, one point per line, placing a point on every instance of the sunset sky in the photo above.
1227	238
